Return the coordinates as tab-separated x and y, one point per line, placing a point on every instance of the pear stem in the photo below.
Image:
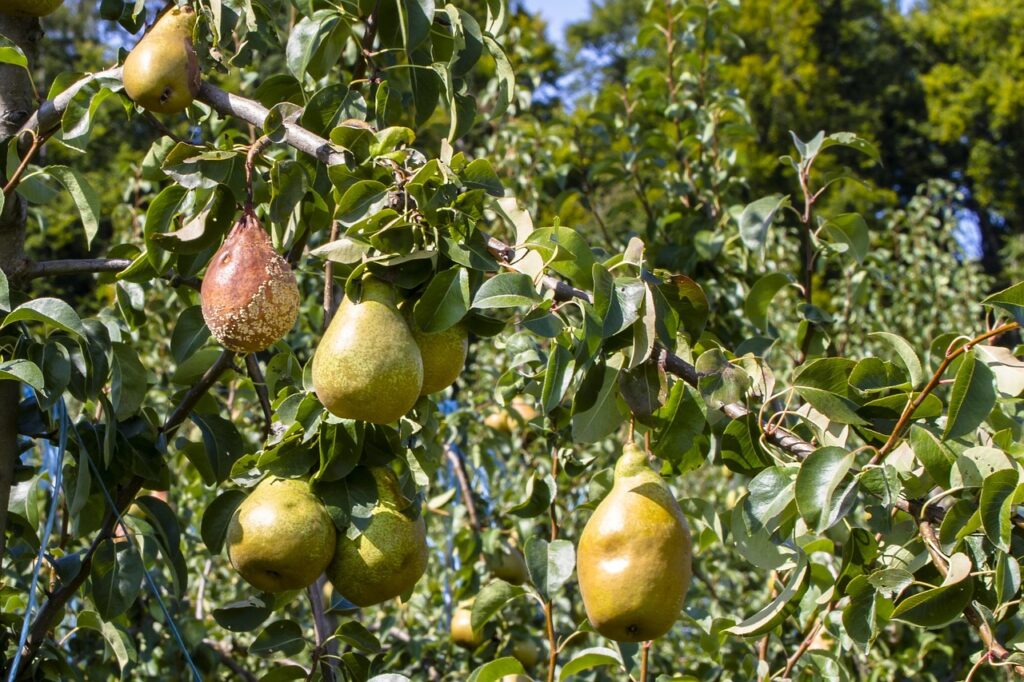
250	162
645	650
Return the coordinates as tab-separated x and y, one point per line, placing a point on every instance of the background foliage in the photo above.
835	293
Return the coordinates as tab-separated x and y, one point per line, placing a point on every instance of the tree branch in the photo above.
252	365
467	492
194	394
56	268
9	399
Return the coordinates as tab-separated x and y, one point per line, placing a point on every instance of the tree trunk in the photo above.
17	102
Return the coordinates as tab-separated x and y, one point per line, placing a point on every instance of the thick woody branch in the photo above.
56	268
195	393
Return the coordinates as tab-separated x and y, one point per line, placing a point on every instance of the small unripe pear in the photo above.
29	8
443	353
508	564
161	74
462	630
526	652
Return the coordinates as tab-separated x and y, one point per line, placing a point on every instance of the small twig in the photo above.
329	281
181	412
321	630
912	406
806	643
467	493
201	592
37	142
252	365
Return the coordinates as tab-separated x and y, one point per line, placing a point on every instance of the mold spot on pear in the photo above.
444	355
29	8
249	294
161	74
634	556
367	366
389	556
281	536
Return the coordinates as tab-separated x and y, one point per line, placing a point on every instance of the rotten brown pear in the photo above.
249	294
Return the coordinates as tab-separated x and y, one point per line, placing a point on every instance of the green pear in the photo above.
634	556
29	8
443	353
367	366
390	555
462	631
508	564
161	74
281	536
526	652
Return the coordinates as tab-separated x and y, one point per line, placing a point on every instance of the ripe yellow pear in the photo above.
634	556
443	353
281	537
29	8
505	422
462	630
508	564
390	555
161	74
367	366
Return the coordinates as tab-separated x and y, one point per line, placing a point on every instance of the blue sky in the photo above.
558	13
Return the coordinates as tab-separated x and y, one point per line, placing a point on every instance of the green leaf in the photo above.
938	606
282	636
820	476
550	564
595	408
757	218
491	599
496	670
824	384
22	370
849	230
506	290
305	40
190	334
245	615
479	174
772	614
10	53
996	506
159	217
588	659
356	635
128	381
444	302
972	398
52	311
851	141
566	252
84	196
360	200
217	517
906	353
163	519
116	576
761	295
721	382
540	490
936	458
1011	300
5	289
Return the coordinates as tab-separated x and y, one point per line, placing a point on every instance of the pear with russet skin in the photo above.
161	73
29	8
250	297
634	556
368	366
281	536
389	556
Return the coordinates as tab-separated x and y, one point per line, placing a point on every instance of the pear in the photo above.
508	564
515	678
504	421
29	8
249	294
462	630
161	74
281	537
367	366
526	652
443	353
634	556
388	558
